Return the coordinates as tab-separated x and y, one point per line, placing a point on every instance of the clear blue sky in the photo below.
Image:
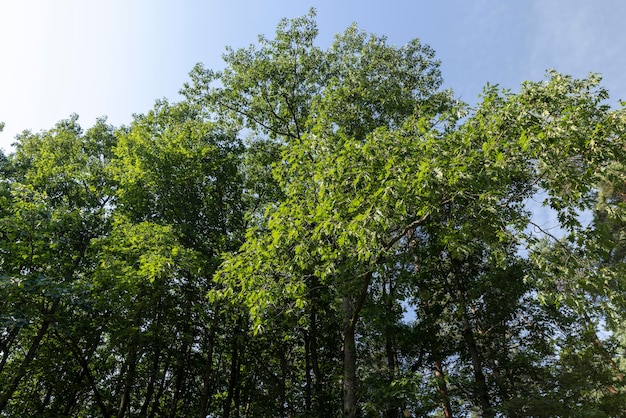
116	57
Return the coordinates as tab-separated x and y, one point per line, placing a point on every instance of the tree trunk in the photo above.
131	364
234	374
351	311
30	355
349	360
92	382
308	388
442	388
319	397
208	371
145	406
393	406
179	375
71	400
480	381
283	381
156	404
152	382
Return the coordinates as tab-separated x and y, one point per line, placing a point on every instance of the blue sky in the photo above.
116	57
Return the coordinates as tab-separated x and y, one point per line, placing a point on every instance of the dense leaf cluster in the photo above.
320	233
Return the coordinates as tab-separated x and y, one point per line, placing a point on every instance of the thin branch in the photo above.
253	119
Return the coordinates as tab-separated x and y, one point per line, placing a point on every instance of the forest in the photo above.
318	232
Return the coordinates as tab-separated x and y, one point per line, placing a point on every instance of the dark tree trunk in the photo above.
480	382
156	404
30	355
152	382
481	390
156	360
308	389
318	393
71	400
442	388
92	382
349	360
234	375
393	405
179	376
351	310
130	365
208	371
283	381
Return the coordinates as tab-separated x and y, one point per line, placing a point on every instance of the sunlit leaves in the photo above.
365	207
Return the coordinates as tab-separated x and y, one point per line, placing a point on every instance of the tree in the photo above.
55	196
178	171
368	251
289	90
414	183
110	240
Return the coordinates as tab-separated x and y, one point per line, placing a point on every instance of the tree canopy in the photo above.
320	232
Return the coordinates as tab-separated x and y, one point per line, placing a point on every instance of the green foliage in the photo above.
176	168
313	232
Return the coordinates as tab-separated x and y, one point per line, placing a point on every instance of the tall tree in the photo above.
56	203
177	170
362	185
373	233
289	90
